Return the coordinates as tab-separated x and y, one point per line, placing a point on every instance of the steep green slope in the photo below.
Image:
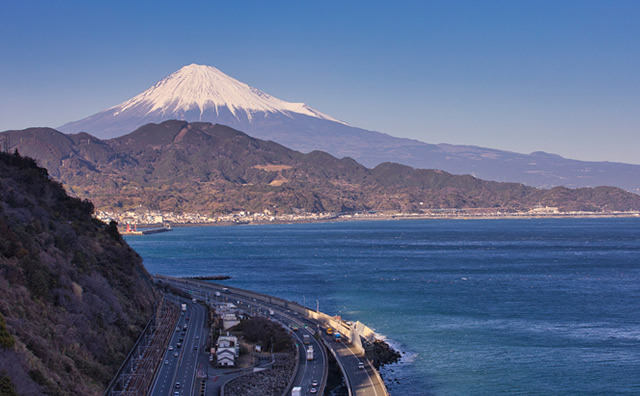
73	296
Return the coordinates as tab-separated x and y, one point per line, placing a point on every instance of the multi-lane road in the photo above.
362	379
183	357
311	374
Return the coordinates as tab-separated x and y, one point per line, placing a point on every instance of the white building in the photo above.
226	357
229	342
228	350
229	320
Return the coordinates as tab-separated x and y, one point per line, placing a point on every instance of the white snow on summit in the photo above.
205	87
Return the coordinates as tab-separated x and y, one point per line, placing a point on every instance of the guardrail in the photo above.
287	391
325	371
377	373
344	371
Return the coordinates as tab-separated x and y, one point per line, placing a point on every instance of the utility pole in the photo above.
4	143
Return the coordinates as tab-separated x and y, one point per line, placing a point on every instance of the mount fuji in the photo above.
204	93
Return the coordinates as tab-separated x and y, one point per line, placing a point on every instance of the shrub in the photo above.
6	339
6	387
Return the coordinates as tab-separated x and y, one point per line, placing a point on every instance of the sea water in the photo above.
478	307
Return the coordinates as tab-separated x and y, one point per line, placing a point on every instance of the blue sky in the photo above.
555	76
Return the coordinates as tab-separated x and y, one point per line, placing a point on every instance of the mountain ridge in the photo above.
210	168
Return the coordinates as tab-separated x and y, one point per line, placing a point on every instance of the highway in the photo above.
310	374
177	373
362	381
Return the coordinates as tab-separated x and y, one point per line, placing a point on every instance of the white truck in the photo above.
183	307
296	391
310	353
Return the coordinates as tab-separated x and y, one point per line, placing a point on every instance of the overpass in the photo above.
360	382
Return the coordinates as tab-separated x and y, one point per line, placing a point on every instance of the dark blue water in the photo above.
548	307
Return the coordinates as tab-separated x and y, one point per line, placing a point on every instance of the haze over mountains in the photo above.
213	169
203	93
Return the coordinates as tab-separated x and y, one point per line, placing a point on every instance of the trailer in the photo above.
310	353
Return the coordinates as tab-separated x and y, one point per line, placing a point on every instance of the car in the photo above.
195	347
187	318
313	391
171	348
176	354
360	365
197	337
177	385
314	383
166	362
178	345
176	393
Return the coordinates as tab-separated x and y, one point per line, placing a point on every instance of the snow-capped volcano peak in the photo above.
201	87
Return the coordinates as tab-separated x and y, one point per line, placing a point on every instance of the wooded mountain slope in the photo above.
207	168
73	296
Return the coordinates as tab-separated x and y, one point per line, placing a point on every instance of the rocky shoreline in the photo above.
383	354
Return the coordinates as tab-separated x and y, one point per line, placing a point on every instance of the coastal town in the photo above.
150	217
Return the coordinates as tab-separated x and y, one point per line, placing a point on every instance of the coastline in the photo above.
410	216
395	372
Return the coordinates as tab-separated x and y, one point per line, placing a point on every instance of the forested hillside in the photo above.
178	166
73	295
